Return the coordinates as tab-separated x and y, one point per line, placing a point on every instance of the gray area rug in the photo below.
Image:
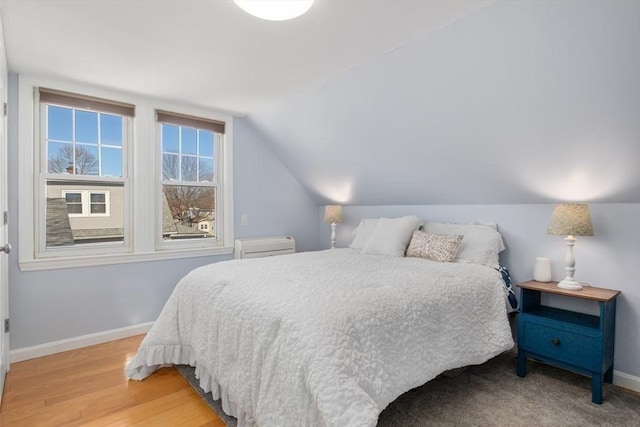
492	394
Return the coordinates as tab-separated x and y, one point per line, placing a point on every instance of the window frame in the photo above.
217	184
141	173
85	202
44	176
64	195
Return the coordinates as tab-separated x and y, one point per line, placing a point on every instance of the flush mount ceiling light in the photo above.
275	10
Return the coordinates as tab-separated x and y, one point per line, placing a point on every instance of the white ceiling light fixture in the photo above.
275	10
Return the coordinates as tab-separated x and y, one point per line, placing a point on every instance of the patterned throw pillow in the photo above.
435	247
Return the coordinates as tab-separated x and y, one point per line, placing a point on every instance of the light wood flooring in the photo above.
87	387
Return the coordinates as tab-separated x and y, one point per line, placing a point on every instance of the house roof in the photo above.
58	227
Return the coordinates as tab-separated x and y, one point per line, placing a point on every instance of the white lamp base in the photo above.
570	284
333	235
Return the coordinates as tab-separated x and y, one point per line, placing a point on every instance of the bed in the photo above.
326	338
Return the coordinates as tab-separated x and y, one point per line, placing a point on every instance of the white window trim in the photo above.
221	201
143	177
64	196
85	201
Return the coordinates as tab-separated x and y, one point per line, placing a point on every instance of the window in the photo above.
91	184
190	176
74	202
99	204
83	150
87	203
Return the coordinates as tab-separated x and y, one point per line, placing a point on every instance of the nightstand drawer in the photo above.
561	345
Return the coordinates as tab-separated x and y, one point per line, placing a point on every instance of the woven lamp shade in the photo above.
571	219
333	214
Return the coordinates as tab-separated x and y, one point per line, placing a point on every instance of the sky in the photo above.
188	153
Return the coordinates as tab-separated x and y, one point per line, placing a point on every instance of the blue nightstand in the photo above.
575	341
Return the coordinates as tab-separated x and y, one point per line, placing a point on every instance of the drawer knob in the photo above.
555	341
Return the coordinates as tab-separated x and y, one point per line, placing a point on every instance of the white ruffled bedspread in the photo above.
325	338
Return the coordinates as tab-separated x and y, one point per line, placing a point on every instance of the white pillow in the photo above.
391	236
481	243
363	232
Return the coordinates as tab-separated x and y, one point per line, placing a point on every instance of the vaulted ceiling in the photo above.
520	102
210	52
381	102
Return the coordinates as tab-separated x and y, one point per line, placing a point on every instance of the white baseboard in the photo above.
627	381
54	347
620	379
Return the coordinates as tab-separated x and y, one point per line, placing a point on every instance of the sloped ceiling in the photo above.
520	102
209	52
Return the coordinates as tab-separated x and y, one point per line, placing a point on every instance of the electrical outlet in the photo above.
244	219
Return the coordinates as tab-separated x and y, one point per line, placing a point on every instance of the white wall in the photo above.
519	102
47	306
273	200
609	259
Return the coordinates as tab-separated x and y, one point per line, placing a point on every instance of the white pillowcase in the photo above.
481	243
391	236
363	232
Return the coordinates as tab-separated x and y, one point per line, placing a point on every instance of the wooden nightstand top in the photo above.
587	292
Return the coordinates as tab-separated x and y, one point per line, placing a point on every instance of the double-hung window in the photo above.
114	178
83	185
87	203
191	178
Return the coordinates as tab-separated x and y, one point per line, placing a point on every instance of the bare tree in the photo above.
192	169
85	163
170	167
185	200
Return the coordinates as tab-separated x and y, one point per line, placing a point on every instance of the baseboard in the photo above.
54	347
627	381
620	379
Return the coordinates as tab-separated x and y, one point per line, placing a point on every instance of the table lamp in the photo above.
570	219
333	216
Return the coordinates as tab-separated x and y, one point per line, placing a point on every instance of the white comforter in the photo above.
325	338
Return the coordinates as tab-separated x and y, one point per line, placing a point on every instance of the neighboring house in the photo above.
205	223
172	229
94	212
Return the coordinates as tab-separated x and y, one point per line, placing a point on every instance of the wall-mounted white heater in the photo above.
264	246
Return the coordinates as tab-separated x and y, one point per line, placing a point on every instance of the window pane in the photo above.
86	160
205	140
205	171
98	198
110	129
98	208
170	139
59	123
184	209
74	203
170	167
63	229
73	197
59	157
86	126
73	208
189	141
189	168
111	161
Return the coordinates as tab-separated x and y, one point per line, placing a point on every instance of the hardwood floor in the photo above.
87	387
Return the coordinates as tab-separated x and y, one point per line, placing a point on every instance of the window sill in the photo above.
98	260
